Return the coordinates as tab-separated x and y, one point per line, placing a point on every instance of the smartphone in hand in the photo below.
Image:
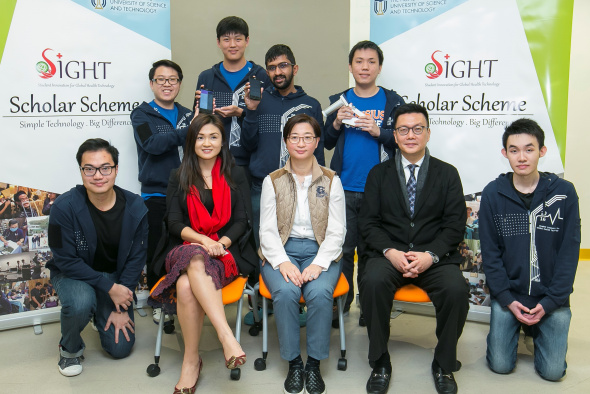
255	86
206	101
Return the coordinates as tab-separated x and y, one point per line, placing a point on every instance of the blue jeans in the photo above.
79	302
549	338
255	193
317	295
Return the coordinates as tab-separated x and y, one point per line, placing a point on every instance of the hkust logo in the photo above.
69	69
380	6
98	4
448	68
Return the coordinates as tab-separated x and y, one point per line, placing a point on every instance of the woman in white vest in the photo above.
302	229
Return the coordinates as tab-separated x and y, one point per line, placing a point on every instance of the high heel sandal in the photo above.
190	390
234	362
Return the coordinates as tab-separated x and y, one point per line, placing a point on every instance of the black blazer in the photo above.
439	218
238	229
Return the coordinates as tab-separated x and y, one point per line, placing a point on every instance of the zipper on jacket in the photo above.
530	250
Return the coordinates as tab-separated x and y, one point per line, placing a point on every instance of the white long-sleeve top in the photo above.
270	240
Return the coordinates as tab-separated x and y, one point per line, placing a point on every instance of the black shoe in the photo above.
314	384
295	380
444	382
335	320
362	321
378	382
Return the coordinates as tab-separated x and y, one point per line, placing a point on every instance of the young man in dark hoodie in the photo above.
262	130
227	80
159	128
530	240
359	148
98	235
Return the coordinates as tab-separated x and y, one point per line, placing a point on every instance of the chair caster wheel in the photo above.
169	329
235	374
253	331
342	364
153	370
260	364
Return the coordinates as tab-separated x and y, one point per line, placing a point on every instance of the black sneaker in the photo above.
314	384
69	366
294	382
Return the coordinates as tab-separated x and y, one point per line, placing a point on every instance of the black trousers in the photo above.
445	286
156	210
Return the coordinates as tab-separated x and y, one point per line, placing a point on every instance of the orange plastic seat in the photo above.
411	293
340	289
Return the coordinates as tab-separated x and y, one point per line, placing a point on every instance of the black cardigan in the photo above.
238	229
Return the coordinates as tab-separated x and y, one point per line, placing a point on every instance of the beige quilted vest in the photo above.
318	195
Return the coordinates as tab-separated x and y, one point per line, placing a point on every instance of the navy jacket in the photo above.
213	80
262	129
72	239
159	145
530	256
335	138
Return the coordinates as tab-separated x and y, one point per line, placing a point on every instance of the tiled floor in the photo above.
29	362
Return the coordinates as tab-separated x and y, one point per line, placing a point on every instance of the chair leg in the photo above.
342	363
154	369
260	363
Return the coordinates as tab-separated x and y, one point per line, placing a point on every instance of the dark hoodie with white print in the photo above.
262	129
530	255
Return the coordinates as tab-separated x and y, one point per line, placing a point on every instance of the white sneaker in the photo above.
156	316
69	366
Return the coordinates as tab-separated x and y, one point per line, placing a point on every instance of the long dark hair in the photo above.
189	172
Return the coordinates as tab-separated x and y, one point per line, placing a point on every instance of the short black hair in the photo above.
524	126
165	63
232	24
17	195
410	108
279	50
365	45
301	118
94	145
11	222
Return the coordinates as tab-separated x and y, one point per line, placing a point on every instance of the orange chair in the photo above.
409	293
230	294
340	292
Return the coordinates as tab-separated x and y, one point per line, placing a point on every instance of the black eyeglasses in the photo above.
162	80
90	170
282	66
416	129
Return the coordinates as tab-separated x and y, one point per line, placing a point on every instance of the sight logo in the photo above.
459	68
70	69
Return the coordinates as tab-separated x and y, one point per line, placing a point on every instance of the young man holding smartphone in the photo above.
226	80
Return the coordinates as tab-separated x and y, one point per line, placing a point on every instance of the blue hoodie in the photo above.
262	130
159	145
530	255
213	80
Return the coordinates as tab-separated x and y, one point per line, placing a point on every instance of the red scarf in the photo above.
209	224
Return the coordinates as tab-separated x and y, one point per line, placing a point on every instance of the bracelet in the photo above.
221	243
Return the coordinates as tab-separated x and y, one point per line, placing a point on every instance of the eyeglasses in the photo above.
282	66
162	80
90	170
308	139
416	129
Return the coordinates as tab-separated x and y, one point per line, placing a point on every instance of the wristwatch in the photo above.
435	258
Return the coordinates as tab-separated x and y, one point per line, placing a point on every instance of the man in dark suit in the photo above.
411	222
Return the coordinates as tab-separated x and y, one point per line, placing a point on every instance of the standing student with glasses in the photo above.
159	129
359	147
98	237
262	130
301	237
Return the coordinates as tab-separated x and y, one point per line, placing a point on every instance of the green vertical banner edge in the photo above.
6	12
548	28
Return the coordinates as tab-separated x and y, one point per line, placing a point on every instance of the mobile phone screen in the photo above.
255	86
206	101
